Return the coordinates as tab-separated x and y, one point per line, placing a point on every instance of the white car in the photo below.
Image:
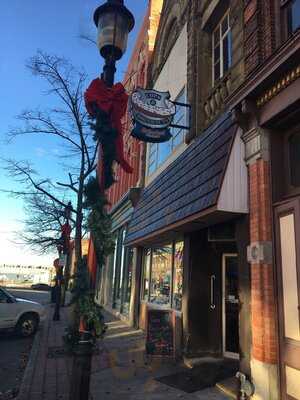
22	315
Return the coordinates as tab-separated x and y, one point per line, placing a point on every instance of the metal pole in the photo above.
109	70
81	369
56	315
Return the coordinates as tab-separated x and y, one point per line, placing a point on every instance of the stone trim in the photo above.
257	144
209	12
279	86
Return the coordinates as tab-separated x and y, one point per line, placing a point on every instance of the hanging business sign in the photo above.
152	114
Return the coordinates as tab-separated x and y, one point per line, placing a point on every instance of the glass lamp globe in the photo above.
114	22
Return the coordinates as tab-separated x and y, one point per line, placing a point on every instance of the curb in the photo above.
29	370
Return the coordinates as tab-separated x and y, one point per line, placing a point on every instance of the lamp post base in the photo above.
81	370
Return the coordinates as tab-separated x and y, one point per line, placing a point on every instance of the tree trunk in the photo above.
66	279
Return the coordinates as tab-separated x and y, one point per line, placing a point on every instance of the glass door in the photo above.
287	219
230	306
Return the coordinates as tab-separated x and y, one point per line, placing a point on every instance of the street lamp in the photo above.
114	22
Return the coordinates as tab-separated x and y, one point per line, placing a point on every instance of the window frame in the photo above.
287	30
221	44
147	298
153	148
289	189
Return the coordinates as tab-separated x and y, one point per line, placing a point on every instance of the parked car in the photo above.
41	286
22	315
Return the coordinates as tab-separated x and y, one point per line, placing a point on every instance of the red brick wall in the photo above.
259	34
264	338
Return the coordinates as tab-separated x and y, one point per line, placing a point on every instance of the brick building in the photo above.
267	108
190	226
214	236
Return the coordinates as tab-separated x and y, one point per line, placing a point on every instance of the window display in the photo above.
163	268
178	276
161	275
146	274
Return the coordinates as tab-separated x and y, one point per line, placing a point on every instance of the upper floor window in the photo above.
291	11
221	48
160	152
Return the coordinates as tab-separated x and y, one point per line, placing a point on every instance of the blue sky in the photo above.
53	26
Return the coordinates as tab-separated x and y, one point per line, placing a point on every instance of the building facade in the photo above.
267	108
116	285
190	226
214	235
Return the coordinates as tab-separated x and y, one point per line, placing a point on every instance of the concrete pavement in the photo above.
120	370
123	371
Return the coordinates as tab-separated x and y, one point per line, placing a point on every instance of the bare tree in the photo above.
43	221
67	122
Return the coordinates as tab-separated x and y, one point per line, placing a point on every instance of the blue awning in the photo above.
189	185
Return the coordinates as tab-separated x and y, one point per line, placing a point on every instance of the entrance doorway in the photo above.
287	218
230	306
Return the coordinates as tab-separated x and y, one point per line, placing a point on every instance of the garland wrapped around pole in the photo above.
107	106
87	314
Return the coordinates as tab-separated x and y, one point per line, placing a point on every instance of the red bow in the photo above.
112	101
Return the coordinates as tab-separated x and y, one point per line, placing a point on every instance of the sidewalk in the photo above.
120	370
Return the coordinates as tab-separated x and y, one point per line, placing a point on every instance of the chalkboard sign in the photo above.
160	337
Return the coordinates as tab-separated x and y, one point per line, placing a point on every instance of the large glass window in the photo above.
161	275
221	48
163	268
158	153
122	274
178	276
127	281
146	273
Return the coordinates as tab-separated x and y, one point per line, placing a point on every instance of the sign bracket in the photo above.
189	107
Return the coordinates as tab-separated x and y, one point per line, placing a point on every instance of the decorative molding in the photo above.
265	70
216	100
257	145
208	12
281	84
260	253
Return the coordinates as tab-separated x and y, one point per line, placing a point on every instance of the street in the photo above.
14	350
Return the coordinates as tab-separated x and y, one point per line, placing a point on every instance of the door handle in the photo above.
212	292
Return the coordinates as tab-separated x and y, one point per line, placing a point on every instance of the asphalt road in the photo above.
14	350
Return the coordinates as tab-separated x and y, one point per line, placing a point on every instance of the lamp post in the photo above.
114	22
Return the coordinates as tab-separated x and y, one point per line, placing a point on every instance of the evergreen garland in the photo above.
99	224
84	307
106	136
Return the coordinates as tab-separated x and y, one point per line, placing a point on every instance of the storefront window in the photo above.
178	276
122	265
122	274
161	275
127	281
114	267
163	268
146	274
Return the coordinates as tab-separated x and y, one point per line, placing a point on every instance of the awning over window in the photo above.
192	184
